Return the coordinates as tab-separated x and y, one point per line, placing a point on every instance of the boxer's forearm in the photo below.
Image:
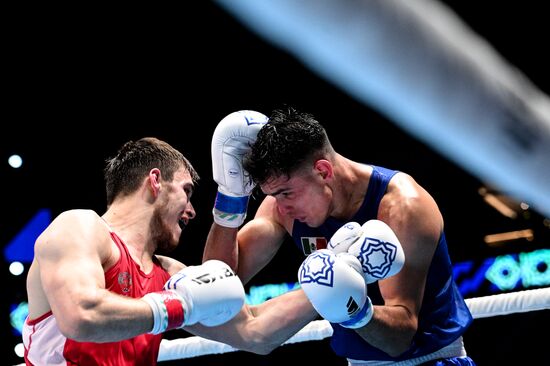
221	244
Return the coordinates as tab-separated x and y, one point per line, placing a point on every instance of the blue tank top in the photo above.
444	315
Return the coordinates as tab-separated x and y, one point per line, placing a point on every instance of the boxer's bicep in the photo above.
70	253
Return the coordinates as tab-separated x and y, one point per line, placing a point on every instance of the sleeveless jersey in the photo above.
45	345
444	315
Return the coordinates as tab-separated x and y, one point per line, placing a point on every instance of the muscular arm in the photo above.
264	327
171	265
69	257
414	216
222	244
252	247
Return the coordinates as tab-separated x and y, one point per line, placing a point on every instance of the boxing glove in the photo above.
336	288
344	237
210	294
231	140
378	250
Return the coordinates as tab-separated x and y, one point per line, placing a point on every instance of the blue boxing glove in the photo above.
335	286
231	140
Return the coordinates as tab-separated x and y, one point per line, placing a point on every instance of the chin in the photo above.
167	247
173	244
168	241
312	223
316	222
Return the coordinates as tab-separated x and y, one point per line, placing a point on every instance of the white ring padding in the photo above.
480	307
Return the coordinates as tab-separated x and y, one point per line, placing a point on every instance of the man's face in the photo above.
304	197
173	211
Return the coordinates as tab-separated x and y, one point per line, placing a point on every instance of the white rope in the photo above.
480	307
504	304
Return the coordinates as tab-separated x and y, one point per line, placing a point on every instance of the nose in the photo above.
190	211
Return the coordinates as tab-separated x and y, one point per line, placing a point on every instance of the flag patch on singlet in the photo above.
311	244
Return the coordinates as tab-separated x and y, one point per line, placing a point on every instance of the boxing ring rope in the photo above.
480	307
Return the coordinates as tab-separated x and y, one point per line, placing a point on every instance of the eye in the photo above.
188	191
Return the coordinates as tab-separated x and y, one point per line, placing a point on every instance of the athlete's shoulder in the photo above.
74	230
404	182
407	201
76	220
79	215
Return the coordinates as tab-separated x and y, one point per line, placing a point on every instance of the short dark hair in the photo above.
289	139
134	160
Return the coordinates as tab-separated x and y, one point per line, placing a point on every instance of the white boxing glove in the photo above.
335	286
210	294
344	237
231	140
379	251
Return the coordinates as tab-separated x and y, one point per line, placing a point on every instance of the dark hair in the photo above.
289	139
135	159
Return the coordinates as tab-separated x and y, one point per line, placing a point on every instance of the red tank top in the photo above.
124	278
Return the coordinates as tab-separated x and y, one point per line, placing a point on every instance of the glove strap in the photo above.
168	310
362	318
230	211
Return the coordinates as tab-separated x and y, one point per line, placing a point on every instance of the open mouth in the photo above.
182	223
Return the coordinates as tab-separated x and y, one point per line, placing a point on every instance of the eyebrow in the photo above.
277	192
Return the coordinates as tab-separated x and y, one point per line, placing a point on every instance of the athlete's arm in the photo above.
171	265
249	249
415	218
264	327
69	256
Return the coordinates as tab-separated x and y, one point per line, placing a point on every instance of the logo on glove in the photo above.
317	268
204	278
352	306
376	257
255	120
211	277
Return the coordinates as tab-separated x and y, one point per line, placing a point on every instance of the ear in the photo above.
324	168
154	181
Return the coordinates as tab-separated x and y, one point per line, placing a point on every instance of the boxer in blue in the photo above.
415	315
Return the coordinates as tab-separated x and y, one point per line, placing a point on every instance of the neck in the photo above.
350	187
131	222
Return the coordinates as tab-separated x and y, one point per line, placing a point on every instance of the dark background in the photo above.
78	82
